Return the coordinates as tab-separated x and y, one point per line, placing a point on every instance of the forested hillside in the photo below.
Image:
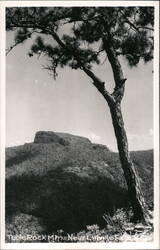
61	181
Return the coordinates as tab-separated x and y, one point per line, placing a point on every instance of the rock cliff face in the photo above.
66	182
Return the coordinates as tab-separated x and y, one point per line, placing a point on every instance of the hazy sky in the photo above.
35	101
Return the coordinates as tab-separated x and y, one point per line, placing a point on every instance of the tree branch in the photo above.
11	47
96	81
136	28
99	84
50	31
32	22
118	92
46	30
119	79
18	42
131	24
145	27
113	59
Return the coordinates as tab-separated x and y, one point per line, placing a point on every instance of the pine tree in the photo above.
92	32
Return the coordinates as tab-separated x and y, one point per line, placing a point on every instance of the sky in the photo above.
71	104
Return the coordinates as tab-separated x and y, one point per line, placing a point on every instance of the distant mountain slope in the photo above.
68	182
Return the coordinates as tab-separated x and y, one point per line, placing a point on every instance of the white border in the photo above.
129	245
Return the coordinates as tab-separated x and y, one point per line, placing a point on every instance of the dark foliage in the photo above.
130	29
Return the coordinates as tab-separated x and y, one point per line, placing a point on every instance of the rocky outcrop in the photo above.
49	137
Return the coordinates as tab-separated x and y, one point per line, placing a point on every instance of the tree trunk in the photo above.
132	179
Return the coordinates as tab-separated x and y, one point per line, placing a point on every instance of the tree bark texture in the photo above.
132	179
